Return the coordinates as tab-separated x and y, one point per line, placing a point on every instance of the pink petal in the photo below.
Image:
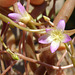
45	39
21	8
61	25
48	30
54	46
14	16
66	38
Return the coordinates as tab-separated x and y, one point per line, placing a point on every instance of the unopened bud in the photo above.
13	55
46	18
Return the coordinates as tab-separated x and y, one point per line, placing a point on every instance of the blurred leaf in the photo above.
30	52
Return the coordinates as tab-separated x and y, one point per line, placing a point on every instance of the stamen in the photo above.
57	35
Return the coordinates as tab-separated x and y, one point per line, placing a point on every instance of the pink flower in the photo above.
20	15
55	36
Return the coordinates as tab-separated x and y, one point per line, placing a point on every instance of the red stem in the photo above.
20	45
39	62
53	9
58	63
8	68
24	53
42	63
27	7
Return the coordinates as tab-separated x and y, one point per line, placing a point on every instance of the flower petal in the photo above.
48	30
54	46
66	38
61	25
45	39
14	16
21	8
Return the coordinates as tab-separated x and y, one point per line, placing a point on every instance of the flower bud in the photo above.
46	18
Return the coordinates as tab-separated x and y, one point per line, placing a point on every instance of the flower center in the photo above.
57	35
25	19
